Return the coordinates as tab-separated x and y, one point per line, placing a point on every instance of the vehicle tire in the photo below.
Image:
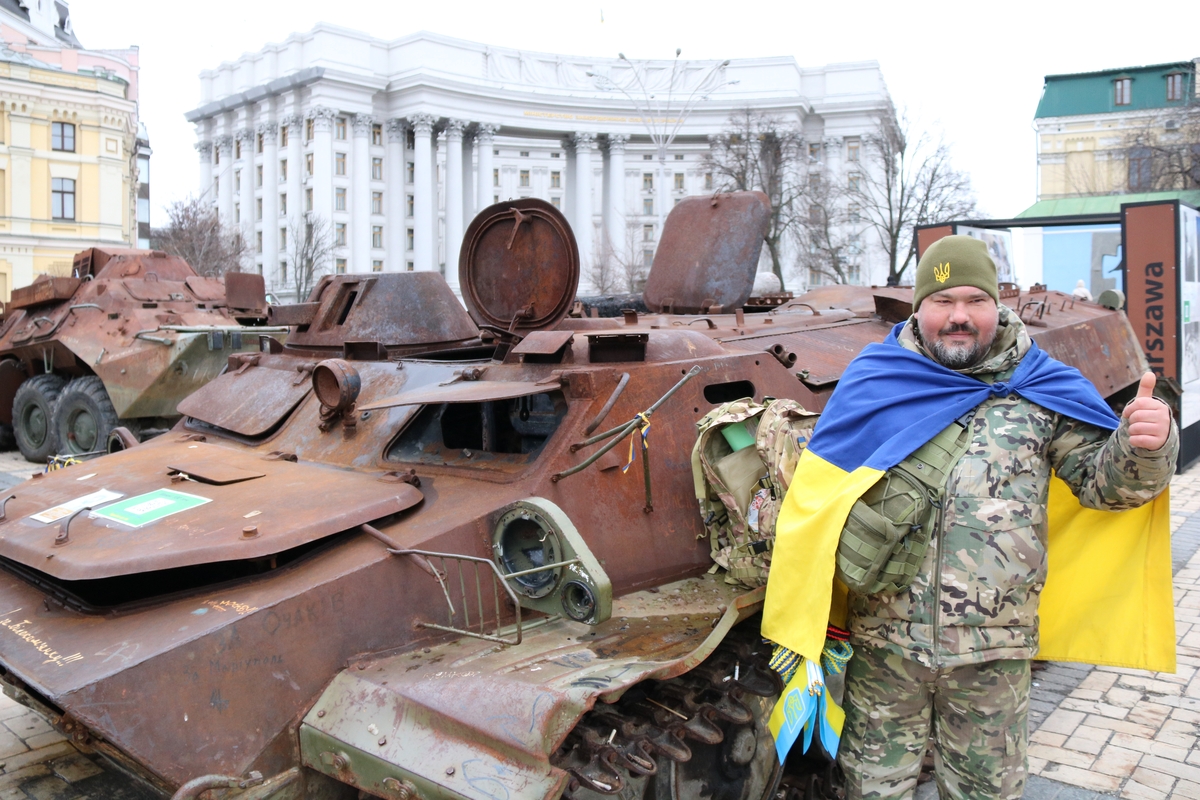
84	416
33	416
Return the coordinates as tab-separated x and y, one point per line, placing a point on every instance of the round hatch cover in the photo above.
519	266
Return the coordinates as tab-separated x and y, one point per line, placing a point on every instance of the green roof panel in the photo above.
1103	204
1093	93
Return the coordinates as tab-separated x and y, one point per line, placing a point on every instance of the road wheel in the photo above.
33	416
84	416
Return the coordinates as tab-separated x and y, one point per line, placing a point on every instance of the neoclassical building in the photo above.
397	144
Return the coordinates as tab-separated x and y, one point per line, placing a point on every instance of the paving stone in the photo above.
1083	745
1061	755
1082	777
1044	736
1063	721
74	768
44	739
19	776
1187	789
1137	791
1174	768
1120	725
1119	762
1155	780
27	725
49	788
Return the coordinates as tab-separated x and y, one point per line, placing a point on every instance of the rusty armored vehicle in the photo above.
117	344
410	552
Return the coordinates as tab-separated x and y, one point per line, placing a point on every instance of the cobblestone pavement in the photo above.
1095	732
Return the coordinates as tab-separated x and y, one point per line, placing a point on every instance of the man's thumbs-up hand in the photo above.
1149	419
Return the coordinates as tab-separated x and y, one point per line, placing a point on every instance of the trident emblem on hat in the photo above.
942	272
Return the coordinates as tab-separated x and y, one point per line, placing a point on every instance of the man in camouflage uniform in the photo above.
949	656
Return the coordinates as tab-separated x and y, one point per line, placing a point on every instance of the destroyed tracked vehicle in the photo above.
117	344
412	553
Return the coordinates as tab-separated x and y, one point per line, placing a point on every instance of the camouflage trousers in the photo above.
976	716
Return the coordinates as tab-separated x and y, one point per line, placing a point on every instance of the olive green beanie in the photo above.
955	261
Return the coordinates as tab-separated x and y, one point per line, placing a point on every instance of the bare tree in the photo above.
308	252
758	151
908	181
1163	153
621	267
194	233
827	237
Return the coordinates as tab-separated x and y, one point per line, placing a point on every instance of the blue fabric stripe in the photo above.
890	401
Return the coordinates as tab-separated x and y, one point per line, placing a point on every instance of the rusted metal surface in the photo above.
290	622
708	253
143	322
519	266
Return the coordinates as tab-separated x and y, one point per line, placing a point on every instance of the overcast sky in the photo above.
970	72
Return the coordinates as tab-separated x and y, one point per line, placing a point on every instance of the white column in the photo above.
395	195
321	181
435	228
225	177
360	191
270	197
615	212
454	199
423	200
585	143
245	165
205	148
294	188
568	208
468	179
484	142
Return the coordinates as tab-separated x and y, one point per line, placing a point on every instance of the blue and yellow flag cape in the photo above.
1108	594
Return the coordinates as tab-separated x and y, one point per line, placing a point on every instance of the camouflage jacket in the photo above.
975	597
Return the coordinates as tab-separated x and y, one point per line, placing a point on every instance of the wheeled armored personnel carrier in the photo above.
411	552
118	343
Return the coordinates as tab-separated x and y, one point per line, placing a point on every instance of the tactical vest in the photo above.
887	531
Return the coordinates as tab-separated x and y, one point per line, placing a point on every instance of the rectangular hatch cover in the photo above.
292	504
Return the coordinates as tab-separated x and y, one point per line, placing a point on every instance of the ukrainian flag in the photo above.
1108	596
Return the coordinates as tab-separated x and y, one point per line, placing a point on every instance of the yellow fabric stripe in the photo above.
798	602
1108	596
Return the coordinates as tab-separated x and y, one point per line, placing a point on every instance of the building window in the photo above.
814	151
647	233
1122	88
854	180
524	154
647	182
308	164
217	185
339	237
376	266
258	208
377	138
283	240
339	164
237	149
340	266
62	136
679	181
854	212
648	207
376	236
409	205
495	152
308	199
376	202
283	272
525	178
495	177
648	157
647	258
852	148
555	180
258	241
556	201
340	127
556	155
237	180
412	173
283	134
308	129
376	169
495	198
409	266
237	212
258	175
259	142
1175	86
282	170
679	156
216	156
339	200
283	205
1140	179
410	243
62	198
708	183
